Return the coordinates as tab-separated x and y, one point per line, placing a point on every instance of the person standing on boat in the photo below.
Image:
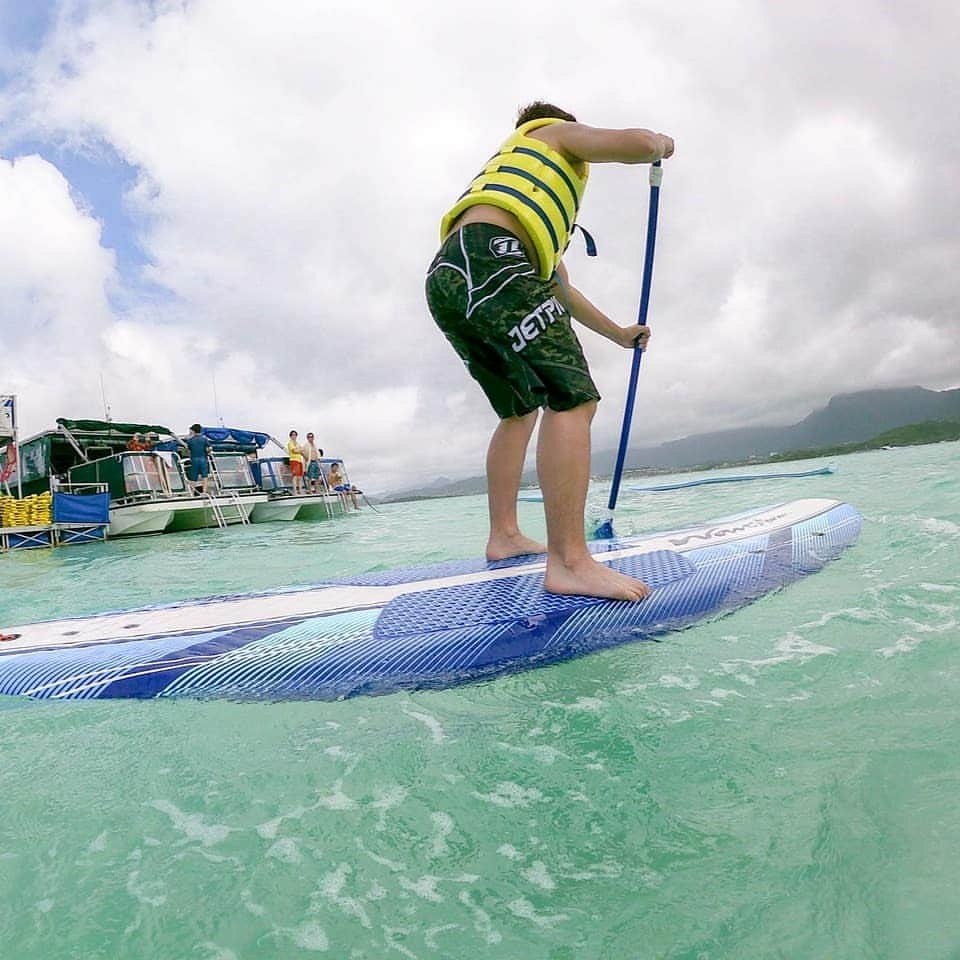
198	473
311	456
500	293
295	455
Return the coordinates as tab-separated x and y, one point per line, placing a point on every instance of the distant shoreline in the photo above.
913	435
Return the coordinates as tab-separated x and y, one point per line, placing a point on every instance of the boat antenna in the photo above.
106	406
216	402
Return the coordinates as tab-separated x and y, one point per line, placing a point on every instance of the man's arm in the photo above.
598	145
592	317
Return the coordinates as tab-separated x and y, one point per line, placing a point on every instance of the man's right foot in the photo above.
588	578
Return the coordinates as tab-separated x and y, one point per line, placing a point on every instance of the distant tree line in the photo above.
930	431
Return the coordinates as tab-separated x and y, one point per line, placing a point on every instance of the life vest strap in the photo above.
588	240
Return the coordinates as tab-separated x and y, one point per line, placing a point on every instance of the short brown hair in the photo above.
539	110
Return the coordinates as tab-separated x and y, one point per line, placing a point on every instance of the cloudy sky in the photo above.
232	199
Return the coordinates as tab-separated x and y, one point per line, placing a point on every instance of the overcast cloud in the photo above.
261	188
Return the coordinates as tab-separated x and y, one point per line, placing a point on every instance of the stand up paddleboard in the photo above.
425	627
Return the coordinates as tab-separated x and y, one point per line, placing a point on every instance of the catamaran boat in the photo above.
141	483
149	492
273	477
235	495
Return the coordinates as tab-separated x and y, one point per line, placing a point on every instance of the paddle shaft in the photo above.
656	173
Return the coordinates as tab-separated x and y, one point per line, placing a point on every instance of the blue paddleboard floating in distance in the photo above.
534	496
737	478
432	626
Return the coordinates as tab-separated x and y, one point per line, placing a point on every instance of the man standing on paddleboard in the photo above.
499	291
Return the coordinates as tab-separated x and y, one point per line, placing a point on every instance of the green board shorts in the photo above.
506	324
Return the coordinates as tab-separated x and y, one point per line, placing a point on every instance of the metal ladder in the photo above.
327	490
216	511
238	506
222	519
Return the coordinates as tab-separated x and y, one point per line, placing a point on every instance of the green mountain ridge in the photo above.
868	419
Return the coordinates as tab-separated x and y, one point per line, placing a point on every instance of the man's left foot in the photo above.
504	547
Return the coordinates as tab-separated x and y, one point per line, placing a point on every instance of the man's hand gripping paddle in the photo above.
604	530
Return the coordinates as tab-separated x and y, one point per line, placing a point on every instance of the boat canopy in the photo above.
231	436
105	429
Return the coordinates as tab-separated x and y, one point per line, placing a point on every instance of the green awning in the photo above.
107	429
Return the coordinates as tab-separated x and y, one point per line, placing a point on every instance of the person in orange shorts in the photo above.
295	454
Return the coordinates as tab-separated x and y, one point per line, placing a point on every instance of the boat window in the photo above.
174	473
233	470
275	474
143	473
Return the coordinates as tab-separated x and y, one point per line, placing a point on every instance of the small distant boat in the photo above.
737	478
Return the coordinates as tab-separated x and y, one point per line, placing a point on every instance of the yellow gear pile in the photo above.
35	511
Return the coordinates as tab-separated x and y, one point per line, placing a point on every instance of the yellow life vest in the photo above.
535	183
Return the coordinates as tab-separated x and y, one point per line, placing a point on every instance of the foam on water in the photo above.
781	782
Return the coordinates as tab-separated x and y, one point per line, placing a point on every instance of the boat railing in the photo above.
65	486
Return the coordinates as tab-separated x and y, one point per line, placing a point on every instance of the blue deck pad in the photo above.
511	599
436	656
455	568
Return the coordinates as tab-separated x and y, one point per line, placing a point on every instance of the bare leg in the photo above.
563	465
505	456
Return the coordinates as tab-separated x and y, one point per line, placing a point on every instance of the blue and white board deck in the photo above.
430	626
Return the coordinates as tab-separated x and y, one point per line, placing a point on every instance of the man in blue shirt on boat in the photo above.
198	473
500	293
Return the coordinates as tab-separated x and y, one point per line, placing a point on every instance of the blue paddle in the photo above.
605	529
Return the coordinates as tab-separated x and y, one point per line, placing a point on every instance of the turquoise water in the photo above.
779	783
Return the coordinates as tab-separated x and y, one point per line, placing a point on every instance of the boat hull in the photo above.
198	514
276	510
137	519
321	507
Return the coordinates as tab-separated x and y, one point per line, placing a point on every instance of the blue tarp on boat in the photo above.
79	508
233	435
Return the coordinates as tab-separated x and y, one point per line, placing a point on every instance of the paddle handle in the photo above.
656	175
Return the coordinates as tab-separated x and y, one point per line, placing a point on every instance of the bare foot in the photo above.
588	578
503	546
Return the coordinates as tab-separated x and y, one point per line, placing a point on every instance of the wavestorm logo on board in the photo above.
716	533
